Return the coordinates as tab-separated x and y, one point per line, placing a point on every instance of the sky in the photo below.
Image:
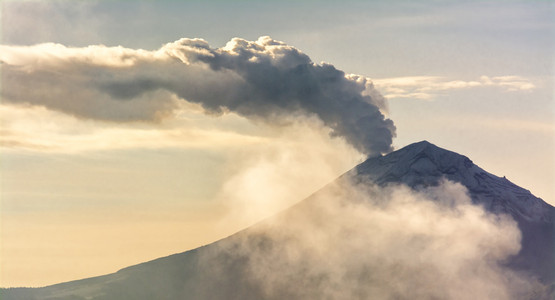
125	139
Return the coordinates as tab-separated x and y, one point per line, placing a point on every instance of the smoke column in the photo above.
263	80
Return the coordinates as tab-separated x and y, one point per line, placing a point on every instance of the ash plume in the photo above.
264	80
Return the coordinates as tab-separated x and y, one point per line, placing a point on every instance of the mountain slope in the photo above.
280	258
423	164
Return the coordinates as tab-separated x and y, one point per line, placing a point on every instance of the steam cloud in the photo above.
355	241
264	80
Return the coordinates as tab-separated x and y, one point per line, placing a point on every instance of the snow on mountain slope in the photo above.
310	250
423	164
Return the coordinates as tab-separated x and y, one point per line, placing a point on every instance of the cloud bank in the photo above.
427	87
263	80
356	241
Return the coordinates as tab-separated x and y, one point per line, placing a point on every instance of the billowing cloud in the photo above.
356	241
264	80
428	87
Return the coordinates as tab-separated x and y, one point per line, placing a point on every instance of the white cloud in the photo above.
38	129
356	241
429	87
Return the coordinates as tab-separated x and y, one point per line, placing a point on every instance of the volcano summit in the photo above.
419	223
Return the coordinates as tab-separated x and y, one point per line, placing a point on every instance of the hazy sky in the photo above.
88	188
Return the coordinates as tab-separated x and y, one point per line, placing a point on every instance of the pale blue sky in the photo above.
475	77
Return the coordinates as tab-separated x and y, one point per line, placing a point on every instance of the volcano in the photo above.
269	261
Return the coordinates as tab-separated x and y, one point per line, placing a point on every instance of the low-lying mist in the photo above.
359	241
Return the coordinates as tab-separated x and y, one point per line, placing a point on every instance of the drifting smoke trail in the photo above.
264	80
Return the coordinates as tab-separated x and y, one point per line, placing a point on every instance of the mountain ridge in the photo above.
418	166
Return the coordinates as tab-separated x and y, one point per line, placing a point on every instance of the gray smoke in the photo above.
263	80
